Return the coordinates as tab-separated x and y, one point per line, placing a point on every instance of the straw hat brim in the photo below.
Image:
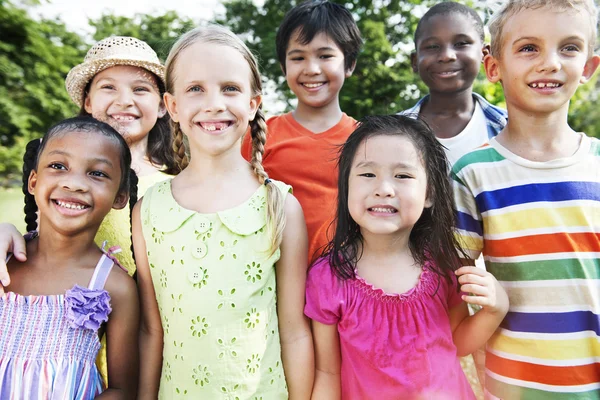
80	75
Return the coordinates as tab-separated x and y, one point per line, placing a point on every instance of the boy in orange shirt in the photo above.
317	45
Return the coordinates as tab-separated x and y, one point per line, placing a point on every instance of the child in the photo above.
449	48
62	296
317	46
386	294
529	201
206	243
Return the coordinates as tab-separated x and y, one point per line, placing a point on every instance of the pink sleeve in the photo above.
454	296
324	294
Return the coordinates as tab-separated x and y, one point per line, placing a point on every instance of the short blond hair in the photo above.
512	7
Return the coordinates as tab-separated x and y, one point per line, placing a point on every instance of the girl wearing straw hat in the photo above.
120	82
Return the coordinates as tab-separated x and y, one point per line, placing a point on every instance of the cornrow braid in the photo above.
181	158
133	198
29	162
275	210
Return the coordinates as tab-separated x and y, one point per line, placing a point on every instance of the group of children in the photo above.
220	248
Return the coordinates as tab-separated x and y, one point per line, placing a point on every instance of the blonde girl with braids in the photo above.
221	249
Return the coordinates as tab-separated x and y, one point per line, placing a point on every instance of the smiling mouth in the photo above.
70	205
123	118
544	85
383	210
313	85
215	126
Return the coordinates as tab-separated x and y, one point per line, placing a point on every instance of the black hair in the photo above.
320	16
160	139
447	8
35	148
432	237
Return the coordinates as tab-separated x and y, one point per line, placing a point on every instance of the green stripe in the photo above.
595	148
572	268
506	391
485	155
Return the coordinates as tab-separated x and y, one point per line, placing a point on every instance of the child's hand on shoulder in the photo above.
483	290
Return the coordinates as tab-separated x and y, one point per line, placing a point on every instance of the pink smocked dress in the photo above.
393	346
48	344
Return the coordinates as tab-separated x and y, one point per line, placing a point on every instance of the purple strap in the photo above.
101	273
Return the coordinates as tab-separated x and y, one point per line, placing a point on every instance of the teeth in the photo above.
214	126
383	210
70	206
123	117
543	85
312	85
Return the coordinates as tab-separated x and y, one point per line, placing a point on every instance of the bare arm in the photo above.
294	330
471	332
328	384
11	241
122	338
151	332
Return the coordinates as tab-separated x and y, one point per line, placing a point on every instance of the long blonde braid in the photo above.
181	158
275	206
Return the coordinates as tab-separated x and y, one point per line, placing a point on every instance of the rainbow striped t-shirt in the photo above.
538	227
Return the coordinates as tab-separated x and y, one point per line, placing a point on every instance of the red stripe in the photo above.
548	375
543	244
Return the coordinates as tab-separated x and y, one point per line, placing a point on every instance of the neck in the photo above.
139	158
451	103
384	246
227	166
56	249
318	119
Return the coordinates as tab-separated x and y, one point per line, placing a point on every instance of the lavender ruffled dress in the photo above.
48	344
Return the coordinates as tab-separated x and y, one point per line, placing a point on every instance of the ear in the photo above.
350	70
32	182
413	62
121	201
492	68
590	67
171	105
87	104
428	203
254	104
162	110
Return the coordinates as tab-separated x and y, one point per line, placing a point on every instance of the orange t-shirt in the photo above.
307	161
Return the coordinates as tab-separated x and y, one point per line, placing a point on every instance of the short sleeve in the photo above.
469	223
324	294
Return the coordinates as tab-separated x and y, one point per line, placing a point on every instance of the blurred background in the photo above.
41	40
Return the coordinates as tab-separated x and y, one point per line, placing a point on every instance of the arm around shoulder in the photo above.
11	241
294	329
150	332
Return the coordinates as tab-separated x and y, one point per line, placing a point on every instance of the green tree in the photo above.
159	31
34	60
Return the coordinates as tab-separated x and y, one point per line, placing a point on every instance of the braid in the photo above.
133	197
29	164
275	212
181	159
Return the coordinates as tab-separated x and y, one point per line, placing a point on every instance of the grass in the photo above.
11	207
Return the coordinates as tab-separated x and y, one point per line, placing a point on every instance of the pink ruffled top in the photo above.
393	346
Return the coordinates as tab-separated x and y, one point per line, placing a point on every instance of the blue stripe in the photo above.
537	192
569	322
467	223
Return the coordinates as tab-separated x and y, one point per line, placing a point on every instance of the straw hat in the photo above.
109	52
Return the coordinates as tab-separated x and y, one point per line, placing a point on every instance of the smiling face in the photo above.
541	64
387	186
315	72
77	181
213	102
448	53
128	99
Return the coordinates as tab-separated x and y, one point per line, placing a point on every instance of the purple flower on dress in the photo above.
87	308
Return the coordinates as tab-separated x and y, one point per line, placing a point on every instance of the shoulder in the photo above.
482	155
496	115
413	111
120	286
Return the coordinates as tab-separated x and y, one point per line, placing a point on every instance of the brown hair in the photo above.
512	7
258	127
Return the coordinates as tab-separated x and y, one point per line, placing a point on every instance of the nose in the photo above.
75	182
550	62
447	54
312	67
213	102
125	98
384	189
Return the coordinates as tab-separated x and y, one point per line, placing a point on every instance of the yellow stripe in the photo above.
547	349
548	217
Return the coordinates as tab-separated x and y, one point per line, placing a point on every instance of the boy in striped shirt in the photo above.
530	202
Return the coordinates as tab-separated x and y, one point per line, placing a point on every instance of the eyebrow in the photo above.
327	48
94	160
366	164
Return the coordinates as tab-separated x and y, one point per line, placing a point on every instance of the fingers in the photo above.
471	270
